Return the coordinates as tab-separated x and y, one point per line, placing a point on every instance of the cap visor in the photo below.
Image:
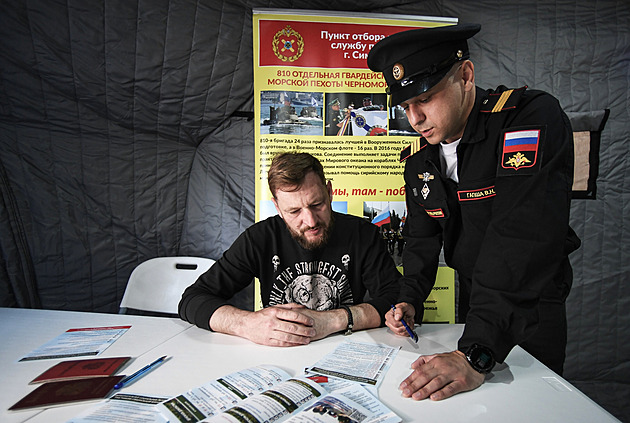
418	87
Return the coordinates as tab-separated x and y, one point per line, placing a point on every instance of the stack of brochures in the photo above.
329	391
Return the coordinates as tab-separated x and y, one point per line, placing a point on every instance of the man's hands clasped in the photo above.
282	325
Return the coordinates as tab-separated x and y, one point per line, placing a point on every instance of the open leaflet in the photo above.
269	394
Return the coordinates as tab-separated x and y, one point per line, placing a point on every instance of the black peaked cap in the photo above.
414	61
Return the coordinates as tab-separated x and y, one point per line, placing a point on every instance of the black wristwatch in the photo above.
350	322
480	358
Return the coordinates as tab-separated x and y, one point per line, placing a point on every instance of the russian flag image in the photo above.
383	218
521	141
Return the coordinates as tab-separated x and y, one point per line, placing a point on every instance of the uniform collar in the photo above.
475	132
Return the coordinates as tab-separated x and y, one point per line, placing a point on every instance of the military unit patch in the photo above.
436	213
520	152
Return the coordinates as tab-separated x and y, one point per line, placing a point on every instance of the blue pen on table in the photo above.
126	381
411	333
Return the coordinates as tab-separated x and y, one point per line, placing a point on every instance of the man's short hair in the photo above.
288	170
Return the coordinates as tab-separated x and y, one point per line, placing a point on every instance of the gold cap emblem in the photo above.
398	71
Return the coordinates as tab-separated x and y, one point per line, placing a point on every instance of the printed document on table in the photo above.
218	395
365	363
128	408
78	342
268	394
379	413
273	405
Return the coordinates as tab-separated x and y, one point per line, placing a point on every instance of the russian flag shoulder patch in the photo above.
521	151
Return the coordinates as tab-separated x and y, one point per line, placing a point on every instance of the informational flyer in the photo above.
313	92
360	362
268	394
78	342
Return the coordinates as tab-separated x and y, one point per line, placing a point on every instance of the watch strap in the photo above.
350	321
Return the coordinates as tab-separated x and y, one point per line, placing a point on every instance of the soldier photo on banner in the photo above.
358	114
390	217
291	112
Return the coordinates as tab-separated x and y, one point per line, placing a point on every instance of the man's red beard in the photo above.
317	243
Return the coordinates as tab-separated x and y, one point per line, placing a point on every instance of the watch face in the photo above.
480	358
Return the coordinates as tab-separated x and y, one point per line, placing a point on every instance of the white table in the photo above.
521	390
23	330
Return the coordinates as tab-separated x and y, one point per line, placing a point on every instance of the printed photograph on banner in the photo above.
390	217
291	112
358	114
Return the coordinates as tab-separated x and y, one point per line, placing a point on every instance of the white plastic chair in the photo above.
157	284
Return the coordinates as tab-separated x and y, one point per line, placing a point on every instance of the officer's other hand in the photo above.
440	376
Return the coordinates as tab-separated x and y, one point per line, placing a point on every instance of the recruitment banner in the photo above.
314	92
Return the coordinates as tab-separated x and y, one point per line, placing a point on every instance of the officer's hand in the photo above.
393	318
440	376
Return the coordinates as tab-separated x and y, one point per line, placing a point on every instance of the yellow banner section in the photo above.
440	305
314	92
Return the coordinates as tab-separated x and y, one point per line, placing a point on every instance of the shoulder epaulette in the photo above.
412	149
506	100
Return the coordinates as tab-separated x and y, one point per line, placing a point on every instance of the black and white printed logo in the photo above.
318	285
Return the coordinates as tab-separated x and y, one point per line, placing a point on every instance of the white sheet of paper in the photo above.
78	342
365	363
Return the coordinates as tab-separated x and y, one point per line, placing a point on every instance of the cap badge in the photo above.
398	71
460	54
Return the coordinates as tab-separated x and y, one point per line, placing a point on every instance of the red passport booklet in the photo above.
68	391
81	369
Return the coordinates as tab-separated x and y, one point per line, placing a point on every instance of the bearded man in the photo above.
315	267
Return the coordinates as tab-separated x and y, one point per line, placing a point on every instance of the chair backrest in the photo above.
157	284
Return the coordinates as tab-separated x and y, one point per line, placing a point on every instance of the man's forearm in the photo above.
233	321
282	325
230	320
365	316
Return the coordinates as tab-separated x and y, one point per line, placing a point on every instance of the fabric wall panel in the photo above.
120	143
221	191
103	106
221	195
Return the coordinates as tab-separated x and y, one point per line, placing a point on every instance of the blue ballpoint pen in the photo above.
411	333
139	373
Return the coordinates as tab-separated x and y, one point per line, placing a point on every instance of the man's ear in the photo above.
330	191
468	75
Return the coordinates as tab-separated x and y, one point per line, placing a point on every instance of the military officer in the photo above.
489	181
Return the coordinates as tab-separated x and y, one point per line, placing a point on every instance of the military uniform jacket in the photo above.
505	225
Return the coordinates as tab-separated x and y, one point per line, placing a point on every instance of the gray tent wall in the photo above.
126	134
